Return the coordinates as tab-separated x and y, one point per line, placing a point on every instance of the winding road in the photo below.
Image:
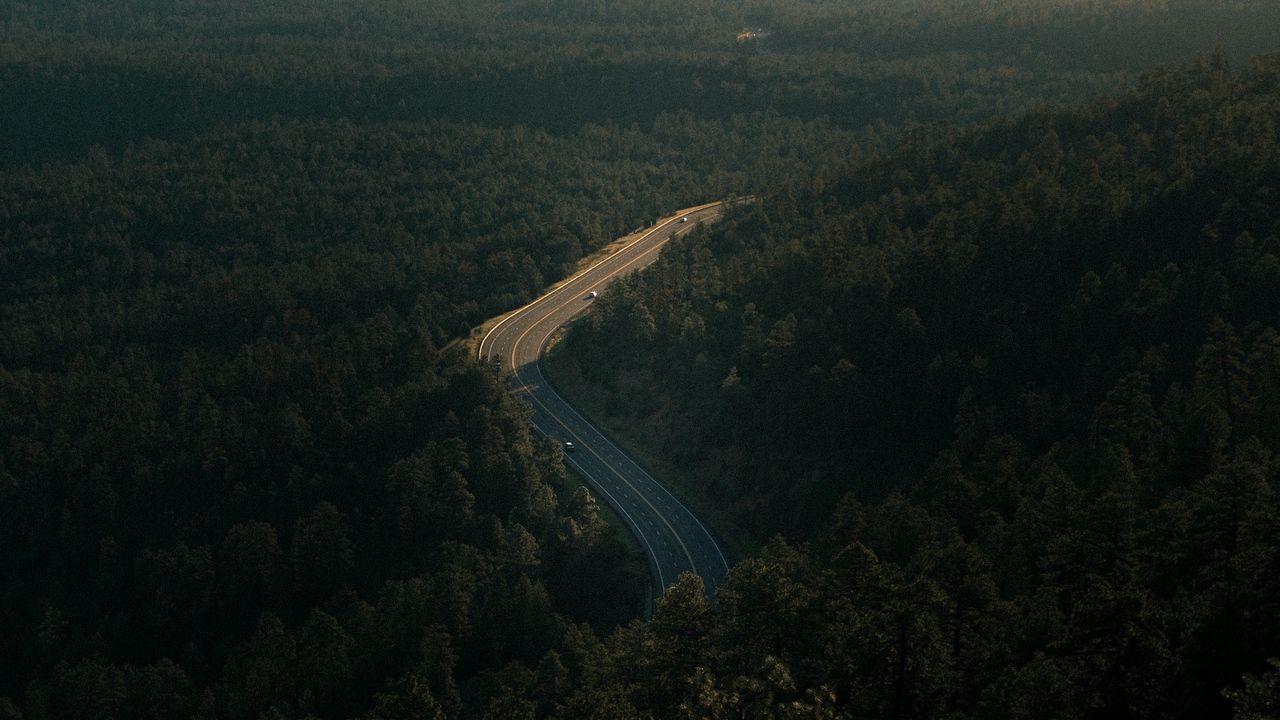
672	536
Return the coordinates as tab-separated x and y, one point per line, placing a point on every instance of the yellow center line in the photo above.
687	211
525	386
574	297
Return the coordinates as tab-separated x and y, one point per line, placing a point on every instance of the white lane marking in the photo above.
643	474
662	584
618	453
519	311
675	535
607	278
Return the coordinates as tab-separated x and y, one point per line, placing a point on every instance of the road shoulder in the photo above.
560	373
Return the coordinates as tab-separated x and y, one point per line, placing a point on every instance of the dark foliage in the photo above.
78	74
1039	361
248	470
244	467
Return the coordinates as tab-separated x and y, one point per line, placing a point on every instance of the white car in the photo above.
684	219
569	447
592	295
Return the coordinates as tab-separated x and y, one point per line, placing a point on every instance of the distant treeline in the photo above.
80	74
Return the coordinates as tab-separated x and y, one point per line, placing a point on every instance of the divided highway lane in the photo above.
674	539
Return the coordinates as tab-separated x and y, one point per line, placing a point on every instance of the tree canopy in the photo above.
1025	348
1034	366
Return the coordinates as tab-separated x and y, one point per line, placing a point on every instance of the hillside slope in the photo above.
1039	362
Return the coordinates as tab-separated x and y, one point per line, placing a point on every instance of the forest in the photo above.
1035	366
986	380
79	74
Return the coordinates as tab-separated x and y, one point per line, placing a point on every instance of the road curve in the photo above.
673	538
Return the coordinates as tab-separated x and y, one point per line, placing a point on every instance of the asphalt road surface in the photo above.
675	540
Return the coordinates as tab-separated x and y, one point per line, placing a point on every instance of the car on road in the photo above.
569	446
684	219
592	295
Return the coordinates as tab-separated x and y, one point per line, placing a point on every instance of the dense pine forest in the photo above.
986	380
1036	365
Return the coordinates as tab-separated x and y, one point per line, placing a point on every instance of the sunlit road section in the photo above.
674	539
